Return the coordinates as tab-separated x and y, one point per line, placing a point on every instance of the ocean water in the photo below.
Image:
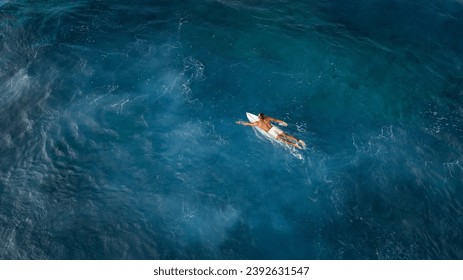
118	137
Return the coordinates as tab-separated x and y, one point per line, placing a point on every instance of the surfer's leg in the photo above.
289	137
283	139
292	138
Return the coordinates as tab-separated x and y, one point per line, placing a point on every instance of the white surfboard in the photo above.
255	118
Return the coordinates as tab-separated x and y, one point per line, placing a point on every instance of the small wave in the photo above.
15	87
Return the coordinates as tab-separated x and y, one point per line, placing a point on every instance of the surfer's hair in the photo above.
261	115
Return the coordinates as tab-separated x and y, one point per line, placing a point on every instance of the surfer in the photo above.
264	123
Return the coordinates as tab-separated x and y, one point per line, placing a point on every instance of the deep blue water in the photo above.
118	137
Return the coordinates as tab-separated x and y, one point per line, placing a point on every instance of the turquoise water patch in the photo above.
118	137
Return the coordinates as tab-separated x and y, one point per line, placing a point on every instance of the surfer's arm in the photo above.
248	123
282	123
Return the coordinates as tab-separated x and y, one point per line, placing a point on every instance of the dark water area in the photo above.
118	137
